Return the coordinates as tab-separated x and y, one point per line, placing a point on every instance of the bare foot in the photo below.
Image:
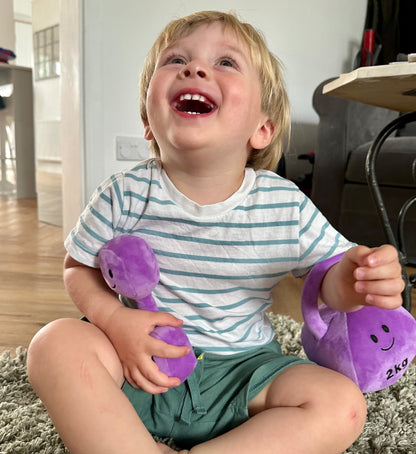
164	449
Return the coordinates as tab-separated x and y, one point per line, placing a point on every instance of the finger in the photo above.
381	255
358	255
387	271
385	302
139	382
372	257
153	375
165	319
152	319
165	350
150	379
383	287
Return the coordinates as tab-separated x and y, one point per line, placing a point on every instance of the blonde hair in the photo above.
274	100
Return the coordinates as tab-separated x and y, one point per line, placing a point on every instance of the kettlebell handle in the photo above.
310	295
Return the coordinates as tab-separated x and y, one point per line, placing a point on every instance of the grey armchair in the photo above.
339	186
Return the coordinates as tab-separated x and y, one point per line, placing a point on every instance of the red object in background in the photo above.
6	55
367	51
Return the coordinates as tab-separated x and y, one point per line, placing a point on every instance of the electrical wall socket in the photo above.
131	148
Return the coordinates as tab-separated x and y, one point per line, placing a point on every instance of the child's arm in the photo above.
364	276
128	329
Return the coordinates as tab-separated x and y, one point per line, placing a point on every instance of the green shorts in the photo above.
214	398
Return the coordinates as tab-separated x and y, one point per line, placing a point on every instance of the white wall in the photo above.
15	30
7	35
315	39
23	31
24	44
47	92
72	119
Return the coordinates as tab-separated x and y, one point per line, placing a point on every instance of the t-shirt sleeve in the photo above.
97	223
318	239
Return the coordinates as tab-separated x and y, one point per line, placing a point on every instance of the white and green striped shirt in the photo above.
218	263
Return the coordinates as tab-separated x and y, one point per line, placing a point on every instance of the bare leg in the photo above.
306	409
77	374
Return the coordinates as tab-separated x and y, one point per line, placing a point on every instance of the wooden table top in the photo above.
391	86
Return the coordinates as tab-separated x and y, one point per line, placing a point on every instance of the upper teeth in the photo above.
196	97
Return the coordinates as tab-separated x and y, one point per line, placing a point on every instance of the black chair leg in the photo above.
370	168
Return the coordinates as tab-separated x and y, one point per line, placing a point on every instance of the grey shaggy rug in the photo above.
25	427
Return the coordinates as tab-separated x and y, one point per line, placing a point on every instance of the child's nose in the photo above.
193	69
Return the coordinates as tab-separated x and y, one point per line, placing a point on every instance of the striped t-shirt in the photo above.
218	263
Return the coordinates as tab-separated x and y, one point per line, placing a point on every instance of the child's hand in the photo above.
378	275
365	276
129	331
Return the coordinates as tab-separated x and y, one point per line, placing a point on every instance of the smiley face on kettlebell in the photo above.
376	339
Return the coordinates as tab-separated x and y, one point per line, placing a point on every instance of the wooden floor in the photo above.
32	292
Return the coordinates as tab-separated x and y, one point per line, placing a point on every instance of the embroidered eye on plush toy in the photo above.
130	268
372	346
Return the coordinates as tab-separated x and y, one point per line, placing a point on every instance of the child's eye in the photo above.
227	62
175	60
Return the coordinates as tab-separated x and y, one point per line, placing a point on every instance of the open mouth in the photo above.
193	104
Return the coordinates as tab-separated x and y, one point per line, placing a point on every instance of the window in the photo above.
46	53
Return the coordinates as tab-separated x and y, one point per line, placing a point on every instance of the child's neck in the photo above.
205	187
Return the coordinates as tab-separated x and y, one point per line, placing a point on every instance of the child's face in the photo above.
205	95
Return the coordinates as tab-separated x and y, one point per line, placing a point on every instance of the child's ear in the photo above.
263	135
148	134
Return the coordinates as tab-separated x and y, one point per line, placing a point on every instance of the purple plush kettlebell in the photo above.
372	346
130	268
